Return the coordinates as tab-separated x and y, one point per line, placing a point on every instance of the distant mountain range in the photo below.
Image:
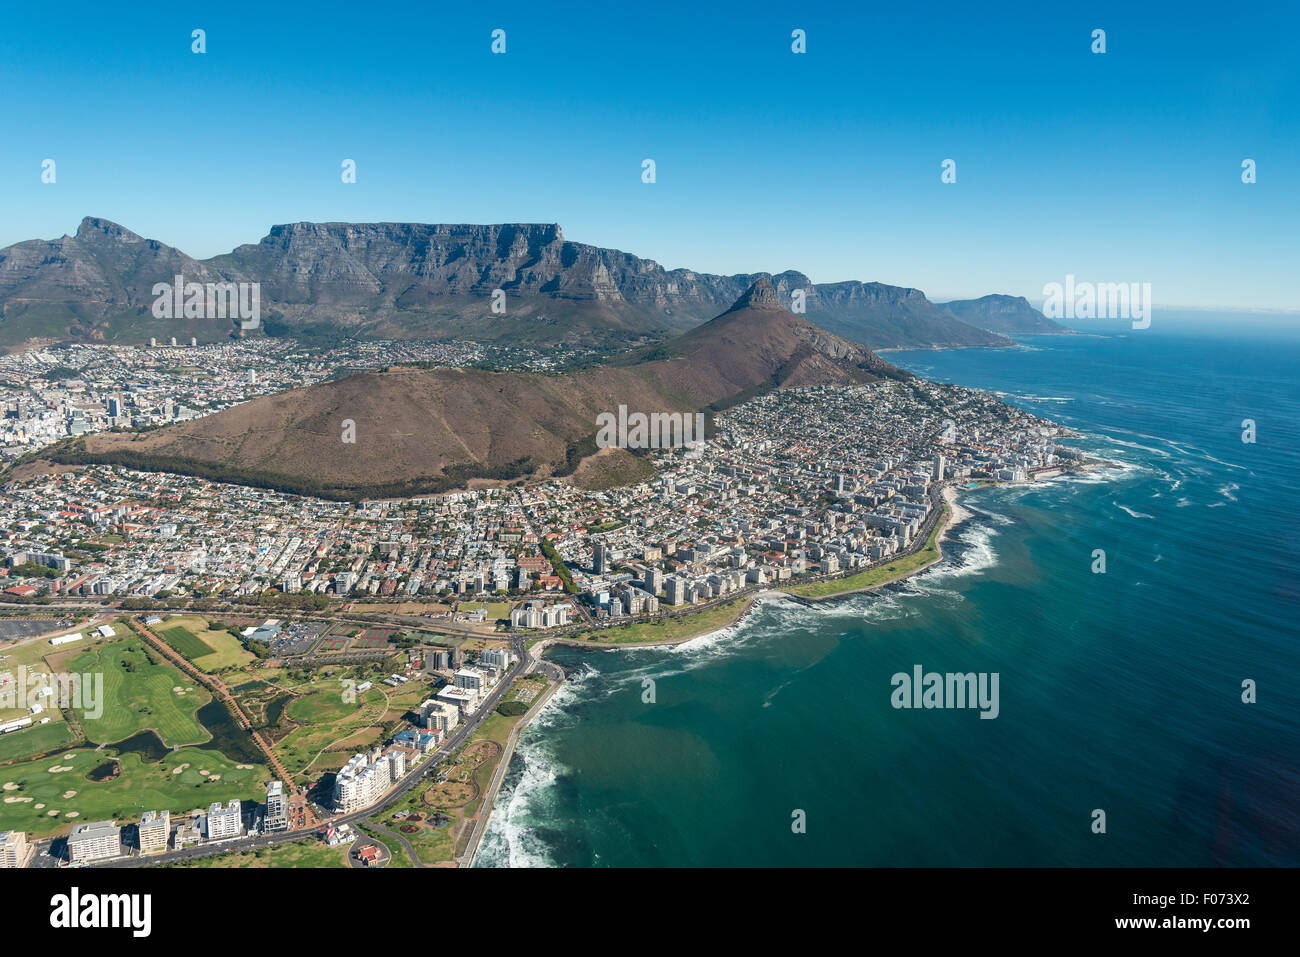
406	280
420	430
1010	315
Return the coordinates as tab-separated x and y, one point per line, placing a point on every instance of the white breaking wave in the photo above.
510	840
1131	511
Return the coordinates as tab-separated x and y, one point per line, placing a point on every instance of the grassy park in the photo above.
669	629
309	852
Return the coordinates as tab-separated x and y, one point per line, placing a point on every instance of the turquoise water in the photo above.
1119	691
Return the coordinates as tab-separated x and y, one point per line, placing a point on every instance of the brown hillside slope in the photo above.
422	430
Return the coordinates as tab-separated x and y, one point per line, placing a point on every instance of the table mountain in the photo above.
426	280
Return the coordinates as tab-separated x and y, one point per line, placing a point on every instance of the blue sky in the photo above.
1118	167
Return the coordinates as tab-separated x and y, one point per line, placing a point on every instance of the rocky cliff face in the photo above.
416	279
102	266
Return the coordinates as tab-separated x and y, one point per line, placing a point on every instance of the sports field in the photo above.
211	649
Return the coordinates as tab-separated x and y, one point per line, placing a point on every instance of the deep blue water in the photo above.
1119	691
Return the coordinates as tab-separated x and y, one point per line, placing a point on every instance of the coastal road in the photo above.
494	785
457	739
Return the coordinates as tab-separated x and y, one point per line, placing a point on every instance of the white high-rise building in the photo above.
154	829
496	658
277	807
224	822
436	716
14	849
364	779
469	679
94	842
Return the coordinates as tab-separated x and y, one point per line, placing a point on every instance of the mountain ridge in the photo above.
426	280
1005	315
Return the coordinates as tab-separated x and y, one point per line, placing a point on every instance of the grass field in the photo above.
16	660
185	641
495	609
670	629
139	695
397	856
331	725
877	576
211	649
37	739
49	796
309	852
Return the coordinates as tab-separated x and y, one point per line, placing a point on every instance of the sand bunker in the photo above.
13	800
10	786
244	767
214	777
51	813
39	806
69	795
60	768
73	814
181	767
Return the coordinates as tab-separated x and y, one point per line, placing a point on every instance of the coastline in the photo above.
954	514
499	773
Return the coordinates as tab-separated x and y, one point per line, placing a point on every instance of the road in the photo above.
400	790
524	663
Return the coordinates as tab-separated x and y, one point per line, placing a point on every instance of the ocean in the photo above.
1120	691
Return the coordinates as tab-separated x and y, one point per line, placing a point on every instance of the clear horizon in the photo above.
1116	167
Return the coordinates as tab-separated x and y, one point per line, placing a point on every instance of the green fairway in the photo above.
48	796
35	740
140	695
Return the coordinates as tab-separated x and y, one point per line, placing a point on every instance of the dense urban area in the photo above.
342	682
